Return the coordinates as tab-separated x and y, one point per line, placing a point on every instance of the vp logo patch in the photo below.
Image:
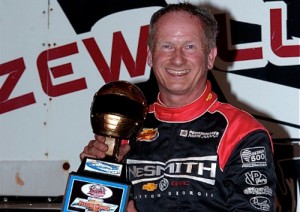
255	178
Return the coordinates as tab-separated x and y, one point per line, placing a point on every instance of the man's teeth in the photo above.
177	72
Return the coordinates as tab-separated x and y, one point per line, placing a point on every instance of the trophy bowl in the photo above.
118	110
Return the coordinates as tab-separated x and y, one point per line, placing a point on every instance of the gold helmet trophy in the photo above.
118	112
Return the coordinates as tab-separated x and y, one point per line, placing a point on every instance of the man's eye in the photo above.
167	46
190	46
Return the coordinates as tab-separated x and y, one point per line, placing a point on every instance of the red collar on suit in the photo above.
187	112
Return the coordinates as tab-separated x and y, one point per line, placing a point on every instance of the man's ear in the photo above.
211	58
149	57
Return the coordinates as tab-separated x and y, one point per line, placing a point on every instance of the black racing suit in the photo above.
205	156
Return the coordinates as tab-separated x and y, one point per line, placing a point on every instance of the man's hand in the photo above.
97	149
131	207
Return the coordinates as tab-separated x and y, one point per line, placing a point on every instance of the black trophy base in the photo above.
97	186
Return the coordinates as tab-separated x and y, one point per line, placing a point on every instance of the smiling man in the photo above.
180	57
199	154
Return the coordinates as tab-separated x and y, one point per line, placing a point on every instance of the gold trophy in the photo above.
118	112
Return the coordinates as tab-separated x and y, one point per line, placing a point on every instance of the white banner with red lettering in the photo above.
55	54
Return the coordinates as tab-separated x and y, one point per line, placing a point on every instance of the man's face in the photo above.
178	56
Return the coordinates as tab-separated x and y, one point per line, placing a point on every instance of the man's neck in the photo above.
171	100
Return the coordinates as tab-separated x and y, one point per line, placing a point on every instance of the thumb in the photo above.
124	149
130	206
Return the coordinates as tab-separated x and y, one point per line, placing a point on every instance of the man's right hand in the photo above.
97	148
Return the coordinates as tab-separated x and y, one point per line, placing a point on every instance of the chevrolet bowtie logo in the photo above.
150	186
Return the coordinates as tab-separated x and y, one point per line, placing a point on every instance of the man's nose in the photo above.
178	57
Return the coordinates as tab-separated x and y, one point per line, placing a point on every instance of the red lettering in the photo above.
58	71
120	51
99	60
14	69
180	183
276	37
235	54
